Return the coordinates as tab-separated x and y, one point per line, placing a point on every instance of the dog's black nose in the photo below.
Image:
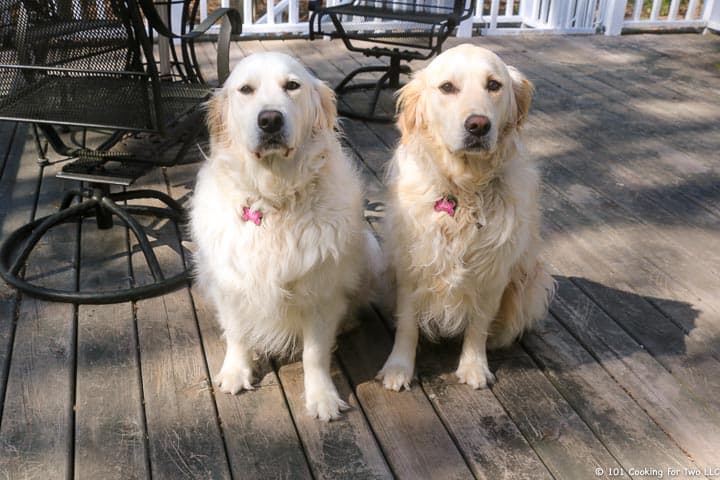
477	125
270	121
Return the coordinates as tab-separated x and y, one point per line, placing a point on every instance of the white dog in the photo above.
463	217
277	221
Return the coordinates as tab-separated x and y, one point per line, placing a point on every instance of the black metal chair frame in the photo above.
434	25
141	20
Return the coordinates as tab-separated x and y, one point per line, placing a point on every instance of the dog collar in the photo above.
447	204
254	216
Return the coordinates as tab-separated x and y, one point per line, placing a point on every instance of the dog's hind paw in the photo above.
475	374
325	405
234	379
395	376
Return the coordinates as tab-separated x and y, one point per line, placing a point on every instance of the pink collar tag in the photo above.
254	216
447	205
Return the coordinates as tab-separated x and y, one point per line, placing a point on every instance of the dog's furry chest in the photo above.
467	251
286	247
468	246
274	276
455	264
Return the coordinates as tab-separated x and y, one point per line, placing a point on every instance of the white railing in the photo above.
538	16
502	17
651	14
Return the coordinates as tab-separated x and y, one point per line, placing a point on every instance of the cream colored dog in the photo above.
277	222
463	215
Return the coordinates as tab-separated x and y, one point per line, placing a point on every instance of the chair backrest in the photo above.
457	8
410	29
78	63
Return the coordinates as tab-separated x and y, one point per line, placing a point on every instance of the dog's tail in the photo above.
525	301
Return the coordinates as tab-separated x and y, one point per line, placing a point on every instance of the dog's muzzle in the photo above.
271	123
477	128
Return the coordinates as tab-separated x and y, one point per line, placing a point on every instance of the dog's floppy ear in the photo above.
217	118
411	107
326	111
523	91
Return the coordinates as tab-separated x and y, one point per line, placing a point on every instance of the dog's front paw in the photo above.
234	379
475	374
396	374
324	404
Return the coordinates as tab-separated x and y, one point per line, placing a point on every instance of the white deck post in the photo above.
711	14
465	27
615	16
163	44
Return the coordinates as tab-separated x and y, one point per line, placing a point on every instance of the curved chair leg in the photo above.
27	236
140	194
376	93
389	79
40	228
341	87
69	197
145	210
142	239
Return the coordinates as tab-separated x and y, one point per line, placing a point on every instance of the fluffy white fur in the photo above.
476	272
290	279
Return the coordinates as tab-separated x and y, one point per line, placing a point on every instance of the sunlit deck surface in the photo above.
624	373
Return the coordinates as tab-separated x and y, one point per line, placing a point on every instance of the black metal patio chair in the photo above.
406	30
95	64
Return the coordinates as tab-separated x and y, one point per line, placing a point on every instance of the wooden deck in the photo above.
623	374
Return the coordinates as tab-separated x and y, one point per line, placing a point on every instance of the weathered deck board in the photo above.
560	437
479	423
413	438
634	239
624	428
341	449
623	372
691	424
37	420
109	404
12	214
695	368
183	428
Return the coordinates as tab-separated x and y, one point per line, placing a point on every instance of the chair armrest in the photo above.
231	24
464	9
317	12
159	26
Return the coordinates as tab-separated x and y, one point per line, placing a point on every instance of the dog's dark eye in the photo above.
448	87
292	85
246	89
494	85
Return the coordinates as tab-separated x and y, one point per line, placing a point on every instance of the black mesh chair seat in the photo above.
66	28
102	101
95	65
425	27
